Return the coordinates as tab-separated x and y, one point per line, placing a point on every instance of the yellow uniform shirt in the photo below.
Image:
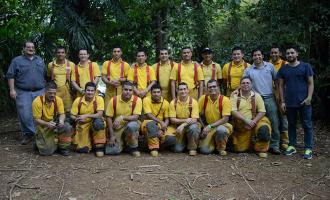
87	107
142	81
187	74
84	75
164	74
43	111
161	108
212	112
245	107
278	64
236	74
181	110
115	69
124	108
58	71
207	70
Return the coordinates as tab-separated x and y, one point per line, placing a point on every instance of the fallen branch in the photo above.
59	196
15	169
139	193
147	166
186	187
26	187
280	193
14	185
245	179
304	197
317	195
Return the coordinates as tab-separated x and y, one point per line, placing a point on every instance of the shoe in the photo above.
136	154
83	150
284	146
26	139
63	152
223	152
275	151
308	154
99	153
289	151
154	153
262	155
192	152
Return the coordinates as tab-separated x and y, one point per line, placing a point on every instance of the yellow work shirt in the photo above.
207	71
245	106
212	112
59	72
181	110
187	74
124	108
44	111
164	74
236	74
278	64
84	75
161	108
115	69
142	81
86	106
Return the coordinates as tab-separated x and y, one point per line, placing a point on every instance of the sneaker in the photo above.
63	152
289	151
99	153
262	155
83	150
308	154
275	151
192	152
136	154
154	153
26	139
223	152
284	146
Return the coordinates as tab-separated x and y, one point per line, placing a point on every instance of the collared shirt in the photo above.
84	74
44	111
161	108
181	110
164	74
87	107
262	78
187	74
212	112
59	71
124	108
142	82
236	73
278	64
28	74
207	71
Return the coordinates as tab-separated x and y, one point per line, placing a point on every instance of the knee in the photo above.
152	129
264	133
178	148
98	124
193	130
132	127
204	150
169	141
221	133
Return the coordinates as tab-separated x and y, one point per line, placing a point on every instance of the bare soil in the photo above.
27	175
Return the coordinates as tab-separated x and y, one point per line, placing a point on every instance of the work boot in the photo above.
136	154
26	139
192	152
63	152
275	151
262	155
284	146
223	152
154	153
99	153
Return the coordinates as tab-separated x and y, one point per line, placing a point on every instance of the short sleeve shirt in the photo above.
208	71
123	108
212	110
187	74
44	111
84	74
157	109
87	107
181	110
141	76
59	72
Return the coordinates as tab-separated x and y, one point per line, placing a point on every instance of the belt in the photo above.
30	89
267	97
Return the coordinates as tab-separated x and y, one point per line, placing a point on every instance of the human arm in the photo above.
310	90
12	91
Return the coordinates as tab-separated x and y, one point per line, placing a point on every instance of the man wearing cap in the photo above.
211	69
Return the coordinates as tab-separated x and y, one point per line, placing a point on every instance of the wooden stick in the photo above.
59	196
280	193
245	179
15	169
14	185
186	187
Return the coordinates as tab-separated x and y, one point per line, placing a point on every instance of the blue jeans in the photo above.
305	113
24	110
272	115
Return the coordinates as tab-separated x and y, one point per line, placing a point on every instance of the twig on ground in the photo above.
188	183
317	195
146	166
304	197
15	169
15	184
185	186
140	193
26	187
60	194
280	193
195	179
245	179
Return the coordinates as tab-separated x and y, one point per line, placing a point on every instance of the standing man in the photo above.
189	72
59	71
276	60
86	71
211	70
114	73
26	80
296	91
163	72
184	114
232	72
142	75
262	75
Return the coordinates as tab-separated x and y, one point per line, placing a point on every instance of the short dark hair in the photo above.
142	50
276	46
90	84
83	49
212	81
50	85
245	77
156	86
236	48
116	47
257	49
60	47
127	83
186	47
164	49
183	83
291	47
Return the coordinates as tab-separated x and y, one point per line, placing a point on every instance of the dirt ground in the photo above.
26	175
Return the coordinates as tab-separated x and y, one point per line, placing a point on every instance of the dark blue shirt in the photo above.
28	74
295	83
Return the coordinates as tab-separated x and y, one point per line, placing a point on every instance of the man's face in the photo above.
127	92
83	55
257	57
141	58
207	56
156	95
60	54
186	54
246	85
29	49
117	53
213	88
291	55
163	55
275	54
237	56
89	92
50	94
183	90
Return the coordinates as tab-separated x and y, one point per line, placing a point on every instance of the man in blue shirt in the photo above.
26	80
296	86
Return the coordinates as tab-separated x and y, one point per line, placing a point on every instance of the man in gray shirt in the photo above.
263	74
26	80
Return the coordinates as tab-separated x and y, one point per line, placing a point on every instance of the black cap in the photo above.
207	50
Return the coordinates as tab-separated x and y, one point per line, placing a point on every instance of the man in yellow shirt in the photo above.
214	110
122	114
249	121
59	70
211	69
155	126
87	112
52	133
232	72
276	60
85	71
142	75
163	72
184	114
114	73
189	72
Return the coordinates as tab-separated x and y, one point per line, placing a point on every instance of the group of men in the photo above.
169	105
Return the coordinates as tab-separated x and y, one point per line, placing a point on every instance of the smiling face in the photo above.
186	55
89	92
212	88
60	54
207	56
183	91
50	94
257	57
275	54
29	49
141	58
237	56
83	55
291	55
116	53
246	85
163	55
